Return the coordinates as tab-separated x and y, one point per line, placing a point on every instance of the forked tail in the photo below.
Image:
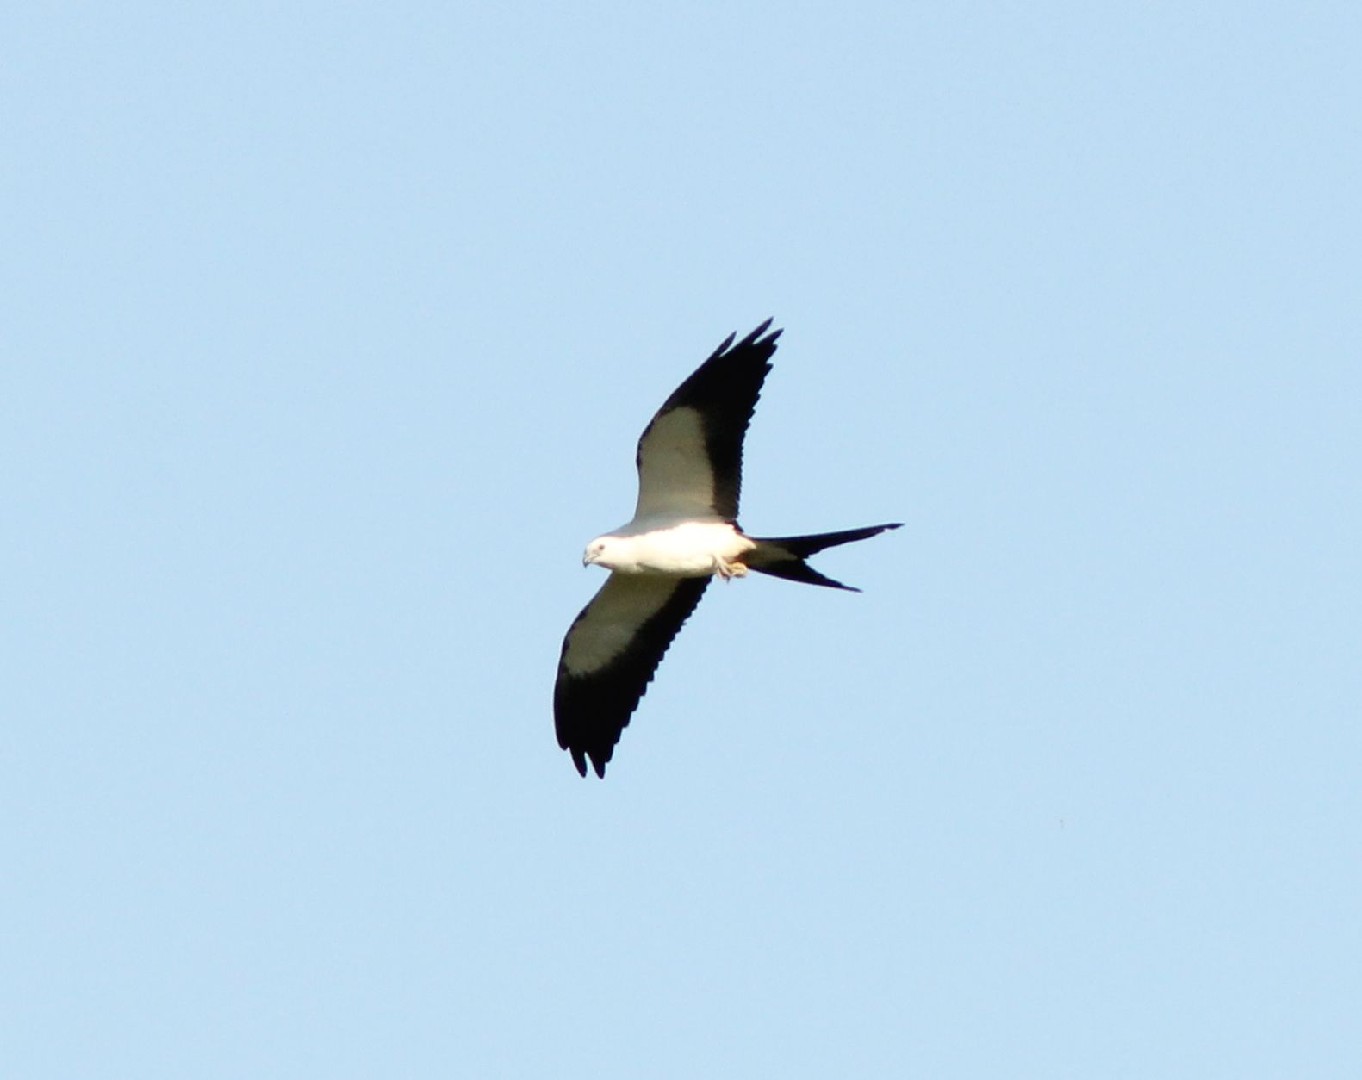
784	556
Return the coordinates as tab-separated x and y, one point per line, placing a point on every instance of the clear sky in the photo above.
328	330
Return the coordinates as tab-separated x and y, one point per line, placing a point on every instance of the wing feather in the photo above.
609	656
690	455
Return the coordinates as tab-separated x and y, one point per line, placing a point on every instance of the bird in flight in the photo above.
684	533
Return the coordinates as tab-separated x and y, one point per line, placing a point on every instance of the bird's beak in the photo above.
586	560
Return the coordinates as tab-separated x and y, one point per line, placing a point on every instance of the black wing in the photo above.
690	455
609	656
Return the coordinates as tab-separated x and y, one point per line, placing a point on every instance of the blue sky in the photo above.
329	330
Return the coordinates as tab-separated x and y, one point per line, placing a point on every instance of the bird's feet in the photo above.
729	570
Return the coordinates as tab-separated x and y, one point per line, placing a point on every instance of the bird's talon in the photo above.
729	570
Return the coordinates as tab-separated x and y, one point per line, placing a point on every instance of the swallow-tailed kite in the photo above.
684	532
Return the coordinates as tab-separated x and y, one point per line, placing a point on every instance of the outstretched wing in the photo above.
690	455
609	656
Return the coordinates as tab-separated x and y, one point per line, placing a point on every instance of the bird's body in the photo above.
684	531
661	544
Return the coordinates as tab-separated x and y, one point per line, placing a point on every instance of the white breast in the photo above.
687	550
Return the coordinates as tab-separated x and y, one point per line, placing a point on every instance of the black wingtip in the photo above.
580	758
752	338
756	337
